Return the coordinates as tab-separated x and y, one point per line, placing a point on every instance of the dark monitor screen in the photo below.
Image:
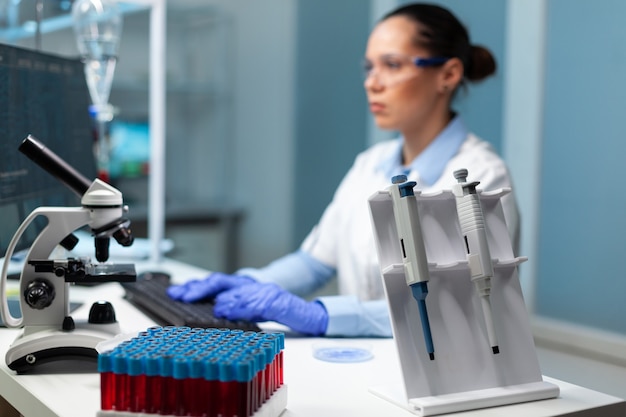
46	96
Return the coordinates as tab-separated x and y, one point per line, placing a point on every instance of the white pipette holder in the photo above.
465	373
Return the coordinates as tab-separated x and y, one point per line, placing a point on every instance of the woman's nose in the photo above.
372	81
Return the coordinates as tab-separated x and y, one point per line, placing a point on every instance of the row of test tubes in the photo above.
182	371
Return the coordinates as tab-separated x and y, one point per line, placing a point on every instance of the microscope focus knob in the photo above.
102	312
39	294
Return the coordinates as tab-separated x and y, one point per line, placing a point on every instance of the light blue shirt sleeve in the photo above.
297	272
349	317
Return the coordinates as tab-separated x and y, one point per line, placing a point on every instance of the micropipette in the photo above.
475	237
413	249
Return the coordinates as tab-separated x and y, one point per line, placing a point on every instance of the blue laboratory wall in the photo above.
580	276
331	117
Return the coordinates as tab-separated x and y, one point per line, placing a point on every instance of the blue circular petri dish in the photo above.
342	354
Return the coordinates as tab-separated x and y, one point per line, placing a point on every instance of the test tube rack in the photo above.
466	373
182	371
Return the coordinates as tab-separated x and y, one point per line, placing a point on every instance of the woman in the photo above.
417	57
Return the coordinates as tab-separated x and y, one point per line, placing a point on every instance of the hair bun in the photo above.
481	63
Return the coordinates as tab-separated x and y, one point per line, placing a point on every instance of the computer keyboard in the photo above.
149	295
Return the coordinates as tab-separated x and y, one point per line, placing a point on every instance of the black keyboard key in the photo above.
150	296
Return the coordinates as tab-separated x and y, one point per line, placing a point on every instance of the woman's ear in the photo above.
450	75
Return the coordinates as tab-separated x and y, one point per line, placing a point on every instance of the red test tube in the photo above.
228	394
167	380
180	373
268	348
211	384
122	401
194	387
107	381
259	356
281	348
279	338
154	385
137	384
244	374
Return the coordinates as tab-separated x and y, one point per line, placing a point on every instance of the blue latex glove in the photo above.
208	287
269	302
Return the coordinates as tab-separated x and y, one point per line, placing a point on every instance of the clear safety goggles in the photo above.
393	69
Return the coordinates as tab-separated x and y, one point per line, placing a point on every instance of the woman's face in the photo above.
401	95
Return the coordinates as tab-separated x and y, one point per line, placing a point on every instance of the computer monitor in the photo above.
44	95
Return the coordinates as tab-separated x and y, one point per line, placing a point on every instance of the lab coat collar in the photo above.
428	166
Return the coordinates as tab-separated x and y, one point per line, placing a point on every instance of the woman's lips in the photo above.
377	107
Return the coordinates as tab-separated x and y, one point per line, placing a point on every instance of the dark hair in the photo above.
441	33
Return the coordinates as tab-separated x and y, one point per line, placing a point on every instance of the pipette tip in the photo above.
431	356
495	350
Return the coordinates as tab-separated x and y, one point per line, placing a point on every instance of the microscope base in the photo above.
58	350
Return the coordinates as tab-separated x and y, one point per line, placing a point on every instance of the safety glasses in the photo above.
392	69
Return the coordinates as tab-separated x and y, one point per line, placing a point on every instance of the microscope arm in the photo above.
62	221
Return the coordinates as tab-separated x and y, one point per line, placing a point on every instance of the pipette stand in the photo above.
465	373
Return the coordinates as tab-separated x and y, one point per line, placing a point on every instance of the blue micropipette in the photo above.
413	249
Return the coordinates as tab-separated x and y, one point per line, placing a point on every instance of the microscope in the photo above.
49	333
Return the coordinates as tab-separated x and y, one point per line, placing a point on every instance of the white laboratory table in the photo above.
315	388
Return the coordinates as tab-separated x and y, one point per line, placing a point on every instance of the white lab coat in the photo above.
344	237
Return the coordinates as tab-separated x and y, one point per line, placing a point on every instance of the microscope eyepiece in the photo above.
54	165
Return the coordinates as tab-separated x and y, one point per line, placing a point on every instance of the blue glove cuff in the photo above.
308	318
